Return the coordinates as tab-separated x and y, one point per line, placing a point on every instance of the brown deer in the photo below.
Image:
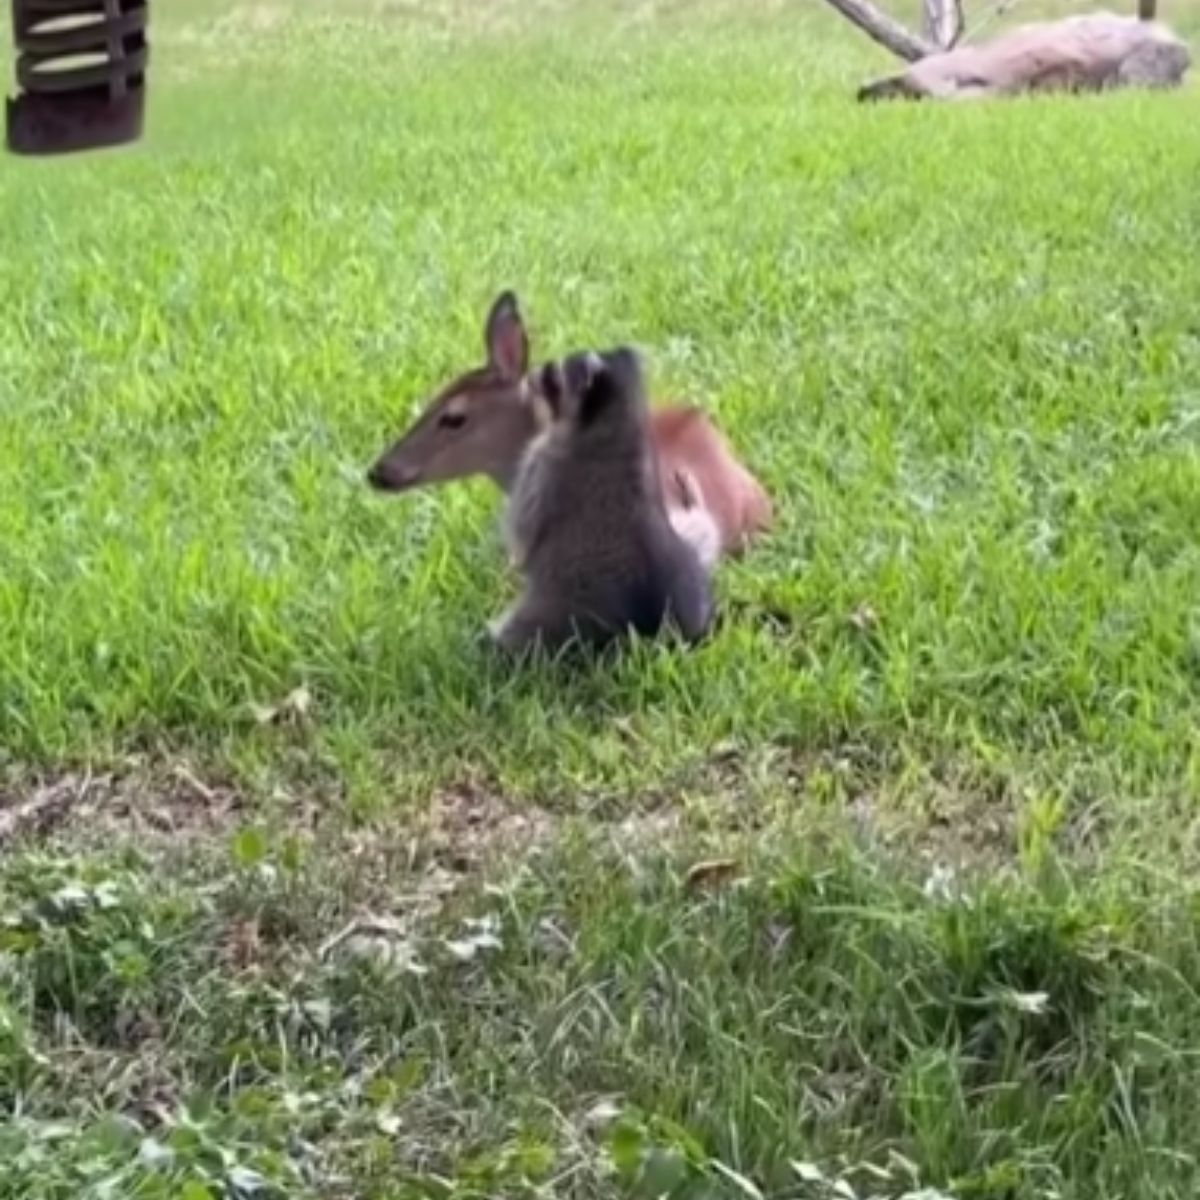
1082	53
481	423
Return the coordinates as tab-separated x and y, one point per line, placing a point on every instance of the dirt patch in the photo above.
470	826
465	828
169	802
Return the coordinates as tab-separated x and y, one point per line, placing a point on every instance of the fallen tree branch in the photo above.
943	22
883	29
1091	53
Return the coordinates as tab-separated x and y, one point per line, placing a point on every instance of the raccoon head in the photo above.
587	386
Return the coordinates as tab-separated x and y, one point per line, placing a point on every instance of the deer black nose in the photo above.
387	477
384	479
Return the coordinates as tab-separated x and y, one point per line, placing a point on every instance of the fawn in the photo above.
481	423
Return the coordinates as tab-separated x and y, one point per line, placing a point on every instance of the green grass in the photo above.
960	346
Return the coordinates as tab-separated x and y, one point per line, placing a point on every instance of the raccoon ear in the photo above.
599	388
580	371
547	391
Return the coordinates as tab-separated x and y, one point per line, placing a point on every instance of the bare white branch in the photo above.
884	29
943	22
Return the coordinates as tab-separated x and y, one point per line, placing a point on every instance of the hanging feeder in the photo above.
81	71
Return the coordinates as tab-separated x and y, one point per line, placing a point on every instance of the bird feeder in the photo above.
81	74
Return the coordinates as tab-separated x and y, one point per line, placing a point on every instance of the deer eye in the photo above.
452	420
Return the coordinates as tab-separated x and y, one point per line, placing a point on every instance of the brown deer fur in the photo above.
482	422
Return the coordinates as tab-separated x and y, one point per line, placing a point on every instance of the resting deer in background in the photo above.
482	422
1083	53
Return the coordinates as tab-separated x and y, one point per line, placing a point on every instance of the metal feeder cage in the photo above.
81	74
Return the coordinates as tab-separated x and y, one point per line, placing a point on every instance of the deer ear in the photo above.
504	336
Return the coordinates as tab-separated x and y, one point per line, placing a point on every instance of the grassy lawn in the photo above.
445	929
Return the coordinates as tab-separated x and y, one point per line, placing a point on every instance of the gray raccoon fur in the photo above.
586	522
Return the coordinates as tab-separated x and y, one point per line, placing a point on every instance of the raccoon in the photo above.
587	525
